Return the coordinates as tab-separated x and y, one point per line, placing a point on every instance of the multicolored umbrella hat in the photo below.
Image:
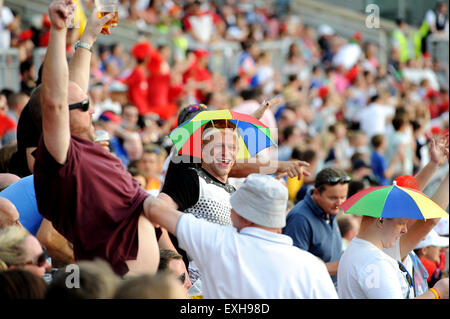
393	202
253	136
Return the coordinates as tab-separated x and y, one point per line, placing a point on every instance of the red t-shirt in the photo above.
138	90
159	88
430	266
91	200
6	124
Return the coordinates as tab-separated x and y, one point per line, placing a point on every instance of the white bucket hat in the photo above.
442	227
262	200
433	239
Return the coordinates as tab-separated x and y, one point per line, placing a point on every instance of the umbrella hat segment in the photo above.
393	202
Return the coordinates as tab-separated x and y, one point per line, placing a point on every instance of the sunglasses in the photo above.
197	107
339	180
408	276
83	105
182	278
40	261
334	181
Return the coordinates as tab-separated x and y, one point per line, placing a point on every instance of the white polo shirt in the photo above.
253	263
366	272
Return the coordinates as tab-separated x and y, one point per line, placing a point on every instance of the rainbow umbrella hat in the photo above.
393	202
253	136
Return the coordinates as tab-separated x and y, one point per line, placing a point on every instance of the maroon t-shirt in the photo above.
91	200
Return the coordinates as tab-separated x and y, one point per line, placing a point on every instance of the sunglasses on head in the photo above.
339	180
83	105
197	107
40	261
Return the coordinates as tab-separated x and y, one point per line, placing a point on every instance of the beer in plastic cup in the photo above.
106	7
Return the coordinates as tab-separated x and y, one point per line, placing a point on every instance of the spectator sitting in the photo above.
20	249
23	196
349	227
312	222
137	175
150	163
171	260
429	252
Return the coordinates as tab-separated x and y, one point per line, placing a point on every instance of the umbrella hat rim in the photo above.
383	202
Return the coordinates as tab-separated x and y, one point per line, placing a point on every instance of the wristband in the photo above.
83	45
435	293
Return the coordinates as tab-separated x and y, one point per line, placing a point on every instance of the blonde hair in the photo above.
12	249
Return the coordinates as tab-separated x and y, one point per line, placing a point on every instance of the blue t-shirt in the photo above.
378	163
310	230
22	195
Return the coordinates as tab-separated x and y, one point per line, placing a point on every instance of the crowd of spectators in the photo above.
340	106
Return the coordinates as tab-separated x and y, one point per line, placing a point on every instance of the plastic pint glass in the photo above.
105	7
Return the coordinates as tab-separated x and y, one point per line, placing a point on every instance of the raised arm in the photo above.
265	106
438	154
439	150
79	68
290	168
160	213
55	81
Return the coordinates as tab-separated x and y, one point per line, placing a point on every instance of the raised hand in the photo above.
94	26
293	168
439	149
60	13
266	105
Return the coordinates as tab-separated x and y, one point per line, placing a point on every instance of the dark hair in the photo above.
377	140
34	106
345	224
324	176
21	284
39	79
26	66
292	78
288	131
14	98
251	94
7	93
354	187
6	152
135	172
247	44
398	122
165	256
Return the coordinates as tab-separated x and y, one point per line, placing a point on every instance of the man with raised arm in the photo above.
82	189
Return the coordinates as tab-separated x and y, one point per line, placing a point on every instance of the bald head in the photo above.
76	94
7	179
9	215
